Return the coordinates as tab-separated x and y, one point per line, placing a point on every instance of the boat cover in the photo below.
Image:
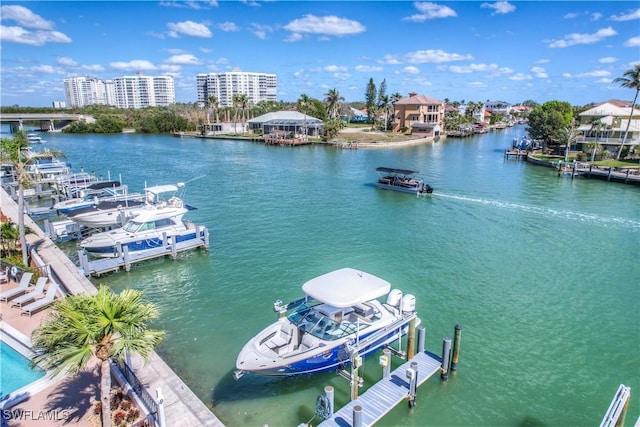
396	171
346	287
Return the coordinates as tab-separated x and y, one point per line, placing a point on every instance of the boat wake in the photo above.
550	212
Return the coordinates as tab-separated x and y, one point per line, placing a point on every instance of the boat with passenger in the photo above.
152	226
340	314
403	180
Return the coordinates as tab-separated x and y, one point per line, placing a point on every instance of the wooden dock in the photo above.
383	396
516	154
125	260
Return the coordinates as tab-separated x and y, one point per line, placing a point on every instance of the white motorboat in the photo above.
150	228
110	213
339	315
95	193
403	180
34	138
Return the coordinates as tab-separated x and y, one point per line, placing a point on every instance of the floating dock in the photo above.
125	260
384	395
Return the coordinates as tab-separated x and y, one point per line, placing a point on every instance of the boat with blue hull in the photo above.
340	315
152	226
403	180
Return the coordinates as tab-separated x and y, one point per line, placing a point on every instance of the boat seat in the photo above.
308	341
280	341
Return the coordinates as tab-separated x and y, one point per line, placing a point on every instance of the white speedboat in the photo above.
34	138
150	228
110	213
95	193
403	180
340	314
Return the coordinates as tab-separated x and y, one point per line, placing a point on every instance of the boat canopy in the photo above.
396	171
167	188
346	287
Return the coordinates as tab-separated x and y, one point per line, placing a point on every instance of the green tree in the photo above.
631	80
105	325
9	236
212	105
548	121
302	105
370	96
15	151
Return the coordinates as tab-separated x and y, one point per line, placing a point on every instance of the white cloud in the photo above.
188	28
603	80
539	72
93	68
632	42
24	17
183	59
33	38
627	16
596	16
47	69
135	65
334	68
191	4
326	25
227	27
367	68
426	56
577	38
261	31
595	73
428	10
571	15
542	61
474	68
607	60
520	76
500	7
293	37
66	61
411	69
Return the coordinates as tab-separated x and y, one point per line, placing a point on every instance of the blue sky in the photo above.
461	50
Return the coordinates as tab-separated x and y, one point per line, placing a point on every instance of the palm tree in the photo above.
243	104
596	125
16	152
212	104
383	104
630	79
105	325
302	105
333	99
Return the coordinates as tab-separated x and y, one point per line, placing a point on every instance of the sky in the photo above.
507	51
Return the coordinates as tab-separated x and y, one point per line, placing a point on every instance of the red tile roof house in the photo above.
419	115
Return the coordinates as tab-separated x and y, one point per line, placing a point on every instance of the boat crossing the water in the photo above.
403	180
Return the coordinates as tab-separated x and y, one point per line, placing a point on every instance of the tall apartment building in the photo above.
86	90
137	91
257	86
144	91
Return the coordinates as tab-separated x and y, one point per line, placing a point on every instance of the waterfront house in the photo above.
418	115
606	123
287	122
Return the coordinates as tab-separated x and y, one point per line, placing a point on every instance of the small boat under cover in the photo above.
403	180
339	315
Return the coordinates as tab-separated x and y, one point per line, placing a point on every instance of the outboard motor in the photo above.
394	298
408	304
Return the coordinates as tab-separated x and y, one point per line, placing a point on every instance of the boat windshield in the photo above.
311	321
131	226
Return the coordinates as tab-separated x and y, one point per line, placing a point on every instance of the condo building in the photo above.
137	91
257	86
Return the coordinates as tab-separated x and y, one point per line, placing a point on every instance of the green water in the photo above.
541	272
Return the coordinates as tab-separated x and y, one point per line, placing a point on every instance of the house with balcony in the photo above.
418	115
606	123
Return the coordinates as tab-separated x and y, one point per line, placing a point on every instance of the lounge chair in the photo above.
4	277
41	303
21	289
31	294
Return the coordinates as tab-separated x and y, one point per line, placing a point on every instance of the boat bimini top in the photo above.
396	171
346	287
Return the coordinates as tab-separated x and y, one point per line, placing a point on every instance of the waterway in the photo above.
541	272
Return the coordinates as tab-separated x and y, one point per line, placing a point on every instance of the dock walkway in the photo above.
383	396
104	265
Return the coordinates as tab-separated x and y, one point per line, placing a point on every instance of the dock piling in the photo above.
422	335
412	375
411	335
446	351
456	348
385	362
357	416
328	392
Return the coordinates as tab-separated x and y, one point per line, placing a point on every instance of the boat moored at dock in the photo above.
339	314
403	180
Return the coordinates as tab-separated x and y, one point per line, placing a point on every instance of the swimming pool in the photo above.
15	372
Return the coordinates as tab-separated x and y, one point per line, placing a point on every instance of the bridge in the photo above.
51	122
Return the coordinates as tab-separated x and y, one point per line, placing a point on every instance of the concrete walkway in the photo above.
182	407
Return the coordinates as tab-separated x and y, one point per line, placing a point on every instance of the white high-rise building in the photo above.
86	90
123	92
257	86
144	91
